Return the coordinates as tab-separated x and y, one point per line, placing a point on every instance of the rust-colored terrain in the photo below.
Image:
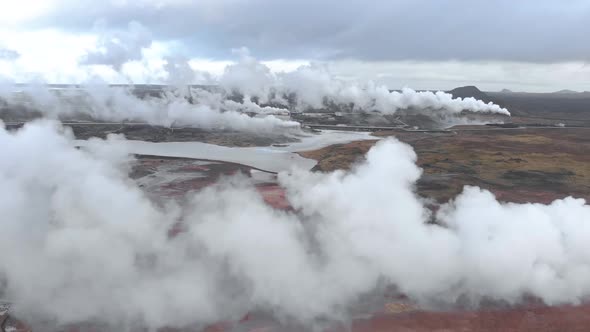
401	318
165	178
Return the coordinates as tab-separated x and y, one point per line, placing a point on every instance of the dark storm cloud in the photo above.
527	30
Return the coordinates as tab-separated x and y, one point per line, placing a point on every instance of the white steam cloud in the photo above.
81	242
248	95
99	101
8	54
114	48
181	74
314	86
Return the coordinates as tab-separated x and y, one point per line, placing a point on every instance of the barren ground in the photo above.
521	165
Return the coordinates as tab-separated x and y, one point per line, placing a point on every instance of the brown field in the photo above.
523	165
529	319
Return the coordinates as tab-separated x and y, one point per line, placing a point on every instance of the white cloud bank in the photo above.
248	86
92	247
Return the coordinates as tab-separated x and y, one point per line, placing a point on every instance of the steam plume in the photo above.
81	242
245	87
8	54
313	86
99	101
116	48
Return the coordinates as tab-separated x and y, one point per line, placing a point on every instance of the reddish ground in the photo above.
534	319
175	177
274	195
562	319
10	324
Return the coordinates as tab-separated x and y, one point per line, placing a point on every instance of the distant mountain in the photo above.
566	91
470	91
506	91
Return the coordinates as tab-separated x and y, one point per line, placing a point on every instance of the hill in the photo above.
470	91
566	91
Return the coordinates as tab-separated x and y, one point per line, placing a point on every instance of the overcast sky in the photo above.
533	45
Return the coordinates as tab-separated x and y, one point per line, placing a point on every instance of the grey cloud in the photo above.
117	47
8	54
532	31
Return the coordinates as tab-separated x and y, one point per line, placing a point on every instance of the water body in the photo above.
271	158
